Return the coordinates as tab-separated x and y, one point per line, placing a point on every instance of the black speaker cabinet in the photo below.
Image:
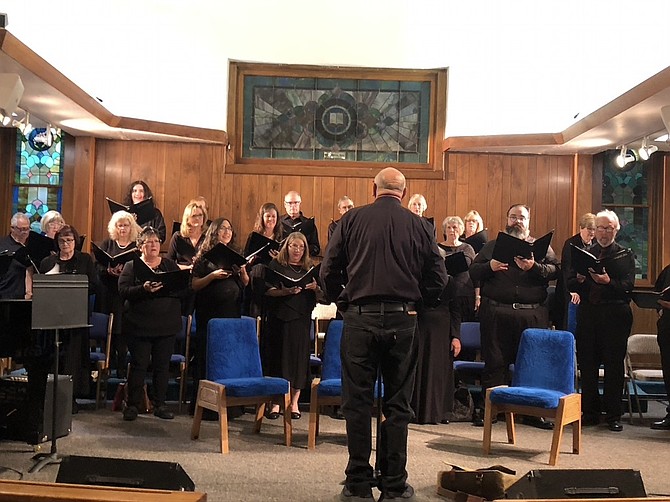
578	483
14	409
124	473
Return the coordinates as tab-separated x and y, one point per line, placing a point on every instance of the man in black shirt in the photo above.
343	205
604	321
380	261
513	297
294	221
16	282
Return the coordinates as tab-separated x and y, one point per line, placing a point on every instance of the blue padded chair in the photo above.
100	336
234	377
326	390
471	344
572	317
180	358
543	386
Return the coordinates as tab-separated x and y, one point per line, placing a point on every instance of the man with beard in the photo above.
513	297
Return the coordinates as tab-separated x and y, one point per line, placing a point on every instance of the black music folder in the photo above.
477	240
649	299
143	210
456	263
304	227
172	281
39	247
583	260
106	259
507	247
224	257
280	280
176	227
260	246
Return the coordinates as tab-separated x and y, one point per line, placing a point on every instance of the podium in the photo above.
60	301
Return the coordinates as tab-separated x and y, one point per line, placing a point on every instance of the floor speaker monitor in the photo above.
126	473
11	91
578	483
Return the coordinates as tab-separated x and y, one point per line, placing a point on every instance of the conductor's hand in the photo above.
152	286
524	264
456	346
497	266
599	278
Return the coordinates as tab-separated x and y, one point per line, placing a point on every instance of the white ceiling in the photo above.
515	66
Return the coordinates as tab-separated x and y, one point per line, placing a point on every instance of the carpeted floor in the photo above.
260	468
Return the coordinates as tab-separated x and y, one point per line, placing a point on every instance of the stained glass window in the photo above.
38	176
330	118
626	192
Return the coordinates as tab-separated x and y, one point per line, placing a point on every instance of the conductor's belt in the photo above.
516	305
384	307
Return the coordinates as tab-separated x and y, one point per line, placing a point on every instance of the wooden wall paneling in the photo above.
169	178
477	181
7	169
190	176
78	176
498	193
329	211
458	184
539	185
249	204
518	189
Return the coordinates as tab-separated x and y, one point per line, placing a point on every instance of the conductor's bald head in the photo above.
389	181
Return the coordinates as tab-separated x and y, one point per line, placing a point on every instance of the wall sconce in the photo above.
624	158
646	150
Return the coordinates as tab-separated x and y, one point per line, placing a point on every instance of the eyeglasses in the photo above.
514	217
66	240
122	225
197	215
22	229
296	246
607	230
292	202
152	242
226	229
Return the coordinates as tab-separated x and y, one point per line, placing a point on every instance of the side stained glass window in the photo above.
626	192
38	178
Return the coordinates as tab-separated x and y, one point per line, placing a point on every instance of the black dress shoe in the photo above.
478	419
163	412
662	425
406	494
538	422
348	495
614	426
271	415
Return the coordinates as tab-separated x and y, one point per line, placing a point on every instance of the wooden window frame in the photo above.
237	164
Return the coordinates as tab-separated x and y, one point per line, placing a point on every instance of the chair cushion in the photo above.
94	357
314	360
526	396
177	359
331	388
469	366
648	374
254	386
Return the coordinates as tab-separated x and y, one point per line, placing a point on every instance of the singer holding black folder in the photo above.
467	296
286	346
663	339
604	321
513	297
151	321
123	231
137	192
218	290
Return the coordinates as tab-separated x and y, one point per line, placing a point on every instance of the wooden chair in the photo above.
543	386
234	378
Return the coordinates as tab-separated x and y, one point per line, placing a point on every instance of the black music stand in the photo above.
60	301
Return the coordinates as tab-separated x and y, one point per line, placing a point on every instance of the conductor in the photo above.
380	262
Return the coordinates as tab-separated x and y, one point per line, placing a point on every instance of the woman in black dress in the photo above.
123	231
75	347
287	346
467	296
137	192
185	244
151	321
218	292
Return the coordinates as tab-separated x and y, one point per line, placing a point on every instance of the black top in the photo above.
80	263
514	285
157	222
149	314
622	279
462	283
331	228
662	282
383	252
221	297
290	307
566	254
312	236
110	301
12	282
181	250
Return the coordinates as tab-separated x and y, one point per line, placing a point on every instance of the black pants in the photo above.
369	342
145	349
501	328
602	334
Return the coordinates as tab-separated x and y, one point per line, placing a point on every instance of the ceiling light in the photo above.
646	150
662	139
624	158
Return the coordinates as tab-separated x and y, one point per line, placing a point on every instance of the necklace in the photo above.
293	267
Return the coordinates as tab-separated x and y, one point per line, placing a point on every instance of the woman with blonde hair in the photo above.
185	243
287	342
51	222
